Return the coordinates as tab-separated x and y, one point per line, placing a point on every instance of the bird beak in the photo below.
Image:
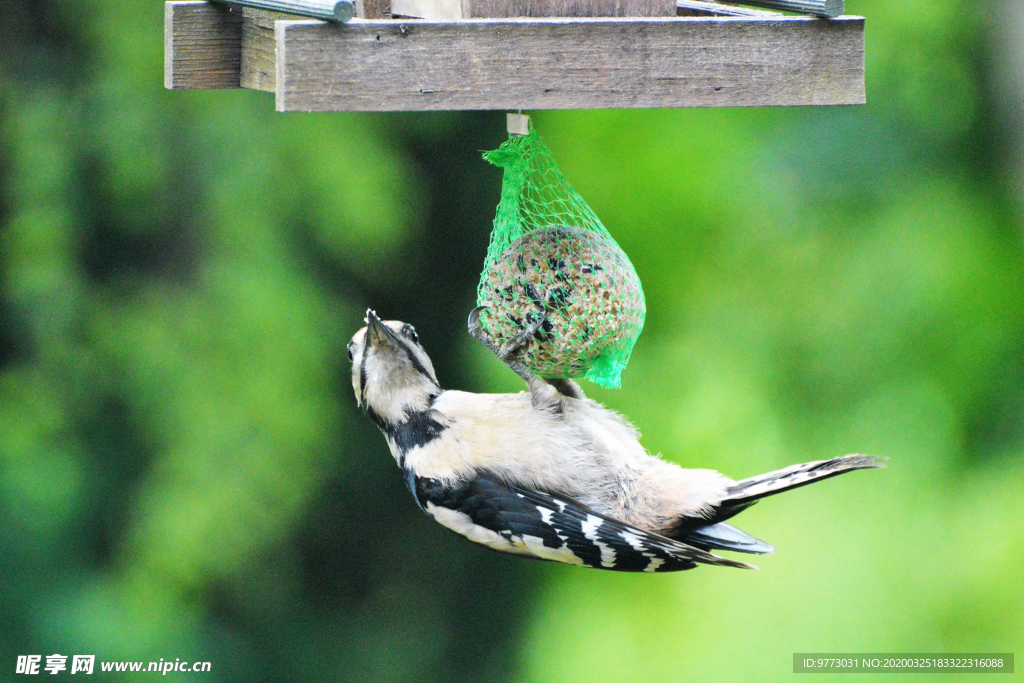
377	333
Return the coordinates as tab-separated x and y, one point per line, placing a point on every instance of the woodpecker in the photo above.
551	474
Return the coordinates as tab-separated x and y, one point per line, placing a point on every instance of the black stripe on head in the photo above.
362	381
417	365
397	344
401	341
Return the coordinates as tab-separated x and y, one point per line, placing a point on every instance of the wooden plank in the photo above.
202	46
700	8
818	8
436	10
211	46
455	10
259	49
569	64
485	9
259	46
373	9
328	10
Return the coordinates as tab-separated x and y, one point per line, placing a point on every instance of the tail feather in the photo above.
724	536
710	532
748	491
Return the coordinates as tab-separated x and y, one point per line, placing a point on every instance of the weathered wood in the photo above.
209	45
373	9
569	64
202	46
435	10
259	49
699	8
819	8
454	10
519	63
328	10
485	9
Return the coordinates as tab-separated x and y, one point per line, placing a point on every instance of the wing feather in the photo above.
517	520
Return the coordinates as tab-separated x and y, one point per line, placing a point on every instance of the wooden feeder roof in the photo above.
729	57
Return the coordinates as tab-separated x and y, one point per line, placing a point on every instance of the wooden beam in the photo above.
455	10
328	10
435	10
202	46
209	46
259	49
373	9
818	8
569	63
496	9
701	8
516	63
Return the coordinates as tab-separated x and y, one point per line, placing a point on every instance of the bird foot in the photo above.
508	355
545	394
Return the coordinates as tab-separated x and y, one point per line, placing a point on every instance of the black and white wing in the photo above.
539	525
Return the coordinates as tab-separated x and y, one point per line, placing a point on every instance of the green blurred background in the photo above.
183	470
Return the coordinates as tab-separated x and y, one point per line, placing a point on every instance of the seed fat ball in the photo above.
585	283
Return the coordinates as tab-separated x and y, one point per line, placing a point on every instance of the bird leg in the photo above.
545	393
515	346
566	387
477	331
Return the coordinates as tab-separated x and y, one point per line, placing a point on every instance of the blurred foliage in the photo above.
183	472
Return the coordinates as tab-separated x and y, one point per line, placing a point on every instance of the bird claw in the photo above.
544	393
514	347
476	330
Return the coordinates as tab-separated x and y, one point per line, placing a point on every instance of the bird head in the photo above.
391	373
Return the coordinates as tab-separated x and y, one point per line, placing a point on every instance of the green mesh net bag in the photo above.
551	259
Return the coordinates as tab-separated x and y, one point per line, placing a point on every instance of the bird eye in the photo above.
350	355
410	333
